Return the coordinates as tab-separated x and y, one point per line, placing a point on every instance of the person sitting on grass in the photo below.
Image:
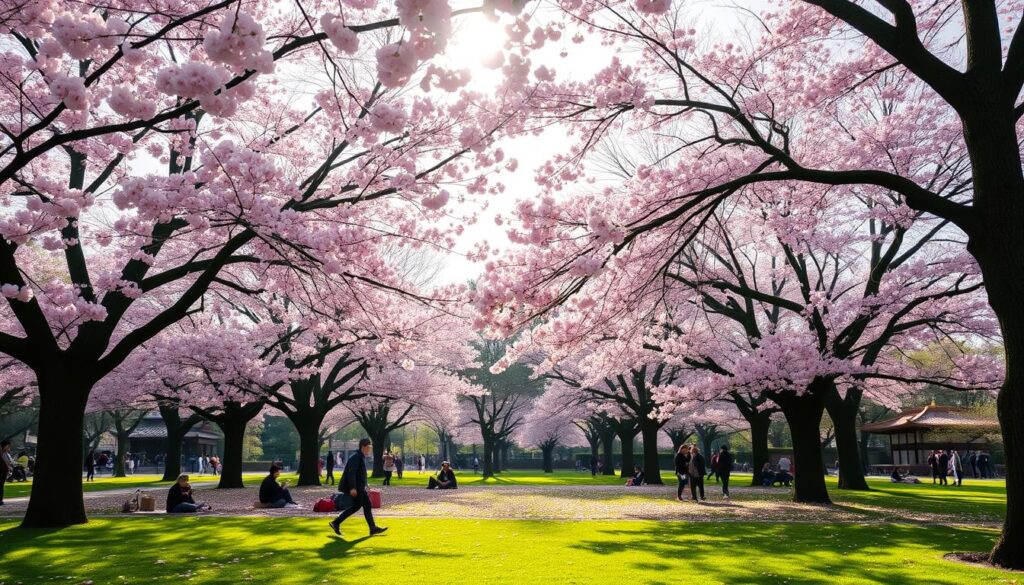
179	498
638	477
445	479
274	494
898	477
782	477
767	475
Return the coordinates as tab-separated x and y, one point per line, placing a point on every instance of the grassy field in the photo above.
440	551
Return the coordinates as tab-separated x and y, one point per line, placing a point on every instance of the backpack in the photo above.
324	505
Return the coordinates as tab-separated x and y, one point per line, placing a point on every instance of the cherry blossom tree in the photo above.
144	153
548	425
791	100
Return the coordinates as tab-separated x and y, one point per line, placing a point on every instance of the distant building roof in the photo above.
153	428
933	417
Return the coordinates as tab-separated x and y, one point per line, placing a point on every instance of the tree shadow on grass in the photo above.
800	553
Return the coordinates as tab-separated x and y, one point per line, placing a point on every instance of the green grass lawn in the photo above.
438	551
973	499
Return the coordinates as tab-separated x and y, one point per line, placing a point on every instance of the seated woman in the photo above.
445	479
274	494
767	475
897	477
179	498
638	477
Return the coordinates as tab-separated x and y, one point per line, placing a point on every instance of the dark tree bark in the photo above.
759	425
547	449
627	431
487	462
803	414
232	418
57	485
496	455
125	422
608	447
177	428
309	449
652	466
843	412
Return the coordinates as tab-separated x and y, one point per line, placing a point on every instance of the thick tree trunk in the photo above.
649	435
803	413
176	430
234	441
379	438
628	461
996	240
309	452
843	412
122	450
608	444
547	452
496	457
56	499
759	425
487	461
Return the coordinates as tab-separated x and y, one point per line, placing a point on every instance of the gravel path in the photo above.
538	503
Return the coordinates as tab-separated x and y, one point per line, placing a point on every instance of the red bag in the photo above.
374	498
324	505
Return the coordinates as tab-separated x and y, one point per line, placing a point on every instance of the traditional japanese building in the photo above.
915	433
150	439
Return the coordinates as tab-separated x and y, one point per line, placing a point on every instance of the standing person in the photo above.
353	484
943	461
101	462
399	464
421	462
682	464
329	480
933	463
6	466
319	466
724	469
476	465
972	460
957	467
713	467
696	470
389	467
129	464
593	466
90	466
201	462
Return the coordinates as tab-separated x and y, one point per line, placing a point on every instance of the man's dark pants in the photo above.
362	501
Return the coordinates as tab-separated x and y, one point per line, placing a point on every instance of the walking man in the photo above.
724	469
696	470
353	484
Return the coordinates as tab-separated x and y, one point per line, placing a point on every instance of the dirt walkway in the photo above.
538	503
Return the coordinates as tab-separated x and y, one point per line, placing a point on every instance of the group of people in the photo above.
691	468
948	463
781	475
17	467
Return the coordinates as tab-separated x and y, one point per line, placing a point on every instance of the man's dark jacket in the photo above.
354	476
